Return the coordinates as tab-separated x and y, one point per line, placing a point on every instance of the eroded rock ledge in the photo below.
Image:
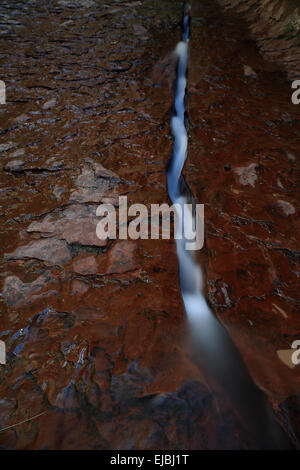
275	25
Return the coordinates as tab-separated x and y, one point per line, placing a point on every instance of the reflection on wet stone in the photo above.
94	329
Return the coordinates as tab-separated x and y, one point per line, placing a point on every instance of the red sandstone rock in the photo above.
286	207
17	293
14	166
49	250
121	258
247	175
109	355
85	265
242	143
49	104
249	72
79	287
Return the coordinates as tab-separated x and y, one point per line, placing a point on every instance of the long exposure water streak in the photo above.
210	340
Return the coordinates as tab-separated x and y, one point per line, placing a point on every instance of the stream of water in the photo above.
100	353
210	341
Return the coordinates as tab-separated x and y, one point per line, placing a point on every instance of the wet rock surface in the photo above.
91	335
239	167
276	27
95	329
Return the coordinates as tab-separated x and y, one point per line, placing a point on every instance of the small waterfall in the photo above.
211	342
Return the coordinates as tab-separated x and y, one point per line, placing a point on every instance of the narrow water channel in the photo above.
212	344
107	347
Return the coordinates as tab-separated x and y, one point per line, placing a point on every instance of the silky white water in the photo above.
212	344
190	272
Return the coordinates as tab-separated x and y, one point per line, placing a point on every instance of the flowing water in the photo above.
96	333
213	345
